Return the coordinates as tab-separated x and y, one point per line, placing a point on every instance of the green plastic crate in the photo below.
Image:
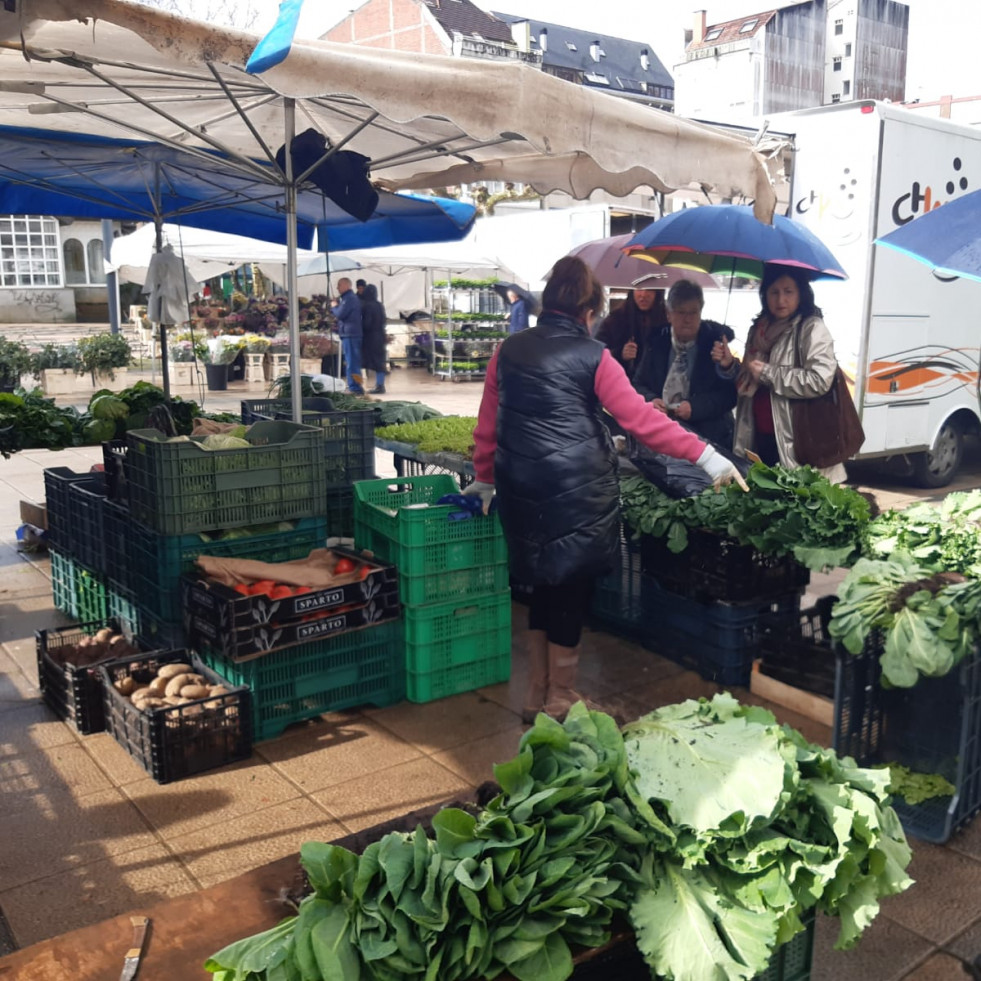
178	487
123	608
63	583
400	522
363	667
426	686
438	585
792	961
443	635
91	595
157	562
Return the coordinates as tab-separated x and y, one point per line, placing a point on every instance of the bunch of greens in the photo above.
28	420
541	868
798	512
767	827
712	828
915	787
448	434
131	408
928	621
941	538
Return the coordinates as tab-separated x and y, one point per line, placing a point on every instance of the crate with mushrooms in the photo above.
175	716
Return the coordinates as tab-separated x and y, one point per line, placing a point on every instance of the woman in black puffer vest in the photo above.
541	440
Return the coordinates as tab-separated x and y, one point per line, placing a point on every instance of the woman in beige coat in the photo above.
789	355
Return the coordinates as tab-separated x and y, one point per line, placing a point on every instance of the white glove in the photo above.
720	469
482	490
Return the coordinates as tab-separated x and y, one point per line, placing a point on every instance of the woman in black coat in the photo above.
374	355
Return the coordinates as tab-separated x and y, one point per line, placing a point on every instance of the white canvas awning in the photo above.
112	66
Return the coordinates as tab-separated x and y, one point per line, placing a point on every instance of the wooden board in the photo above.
802	702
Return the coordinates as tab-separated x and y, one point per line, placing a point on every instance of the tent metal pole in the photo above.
291	283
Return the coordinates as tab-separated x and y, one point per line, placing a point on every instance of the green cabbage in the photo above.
108	407
98	431
224	441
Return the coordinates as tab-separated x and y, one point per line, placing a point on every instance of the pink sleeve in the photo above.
485	432
651	426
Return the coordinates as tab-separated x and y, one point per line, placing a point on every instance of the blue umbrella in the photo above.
728	239
948	239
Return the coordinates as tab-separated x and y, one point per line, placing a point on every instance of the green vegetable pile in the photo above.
389	412
928	621
798	512
710	827
940	538
448	434
915	788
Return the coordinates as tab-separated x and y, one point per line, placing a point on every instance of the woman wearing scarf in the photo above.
789	355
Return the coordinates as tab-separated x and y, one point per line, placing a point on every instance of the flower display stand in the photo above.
255	368
279	364
309	366
181	372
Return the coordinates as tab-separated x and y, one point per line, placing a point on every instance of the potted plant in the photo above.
15	360
220	353
56	367
182	352
103	356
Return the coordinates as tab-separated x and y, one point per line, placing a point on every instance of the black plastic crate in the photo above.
716	567
340	512
73	692
349	435
113	459
86	501
800	653
176	742
57	483
933	727
116	527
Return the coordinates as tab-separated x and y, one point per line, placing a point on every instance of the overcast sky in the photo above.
942	36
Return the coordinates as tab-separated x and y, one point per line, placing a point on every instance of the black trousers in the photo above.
560	610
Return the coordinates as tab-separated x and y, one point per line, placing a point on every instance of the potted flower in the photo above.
103	356
219	354
15	360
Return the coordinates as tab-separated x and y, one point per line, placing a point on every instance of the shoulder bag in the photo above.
827	429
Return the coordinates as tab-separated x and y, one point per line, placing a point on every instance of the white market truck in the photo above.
909	339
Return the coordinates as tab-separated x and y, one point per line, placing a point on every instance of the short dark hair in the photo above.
572	288
683	291
772	272
360	282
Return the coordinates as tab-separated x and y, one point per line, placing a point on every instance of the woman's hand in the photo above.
721	354
629	351
755	369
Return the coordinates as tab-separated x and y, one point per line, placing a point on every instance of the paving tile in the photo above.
338	750
474	761
382	796
939	967
968	840
65	768
967	945
29	726
670	689
35	844
90	893
206	799
225	850
445	723
20	616
15	685
944	898
884	953
114	761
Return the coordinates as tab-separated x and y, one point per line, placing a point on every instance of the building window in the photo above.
748	26
97	270
29	254
74	262
836	97
836	64
839	26
713	34
846	88
848	50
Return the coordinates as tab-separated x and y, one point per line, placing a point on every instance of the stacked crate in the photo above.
453	581
709	619
349	450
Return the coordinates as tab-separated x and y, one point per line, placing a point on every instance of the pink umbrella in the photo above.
618	271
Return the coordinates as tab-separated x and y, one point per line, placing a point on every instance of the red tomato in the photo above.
300	590
280	592
263	586
243	589
344	565
364	572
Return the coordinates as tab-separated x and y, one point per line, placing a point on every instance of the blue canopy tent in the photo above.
87	176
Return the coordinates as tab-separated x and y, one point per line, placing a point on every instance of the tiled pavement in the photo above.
87	835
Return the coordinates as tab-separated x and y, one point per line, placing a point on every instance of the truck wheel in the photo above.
936	467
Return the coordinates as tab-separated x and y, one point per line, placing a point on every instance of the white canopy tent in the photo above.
114	67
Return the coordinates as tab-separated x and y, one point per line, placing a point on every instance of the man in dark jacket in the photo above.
347	312
677	373
374	356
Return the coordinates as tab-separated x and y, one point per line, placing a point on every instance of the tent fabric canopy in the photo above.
423	120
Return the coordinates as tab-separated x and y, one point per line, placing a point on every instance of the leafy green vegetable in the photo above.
798	512
580	831
450	434
29	420
108	407
915	787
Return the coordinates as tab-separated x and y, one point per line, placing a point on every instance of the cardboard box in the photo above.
34	514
